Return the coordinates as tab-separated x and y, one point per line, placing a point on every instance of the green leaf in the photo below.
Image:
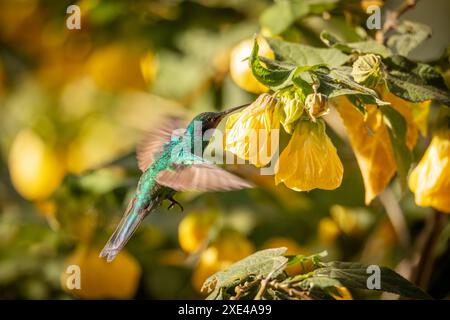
408	36
415	82
321	286
283	13
397	132
368	46
355	275
272	76
338	82
289	10
303	55
261	263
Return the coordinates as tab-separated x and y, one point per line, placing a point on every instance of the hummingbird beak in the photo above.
220	115
231	110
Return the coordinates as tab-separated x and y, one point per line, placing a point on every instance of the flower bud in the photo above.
317	105
367	70
292	111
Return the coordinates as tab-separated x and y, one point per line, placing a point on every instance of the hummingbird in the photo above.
169	160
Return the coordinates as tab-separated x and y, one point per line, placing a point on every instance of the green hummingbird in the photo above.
171	161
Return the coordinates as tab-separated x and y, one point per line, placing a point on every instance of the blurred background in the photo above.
74	103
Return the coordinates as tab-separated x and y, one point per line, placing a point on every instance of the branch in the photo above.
396	216
392	19
289	290
431	234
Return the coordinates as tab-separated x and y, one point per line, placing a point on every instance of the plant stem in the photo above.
432	232
392	19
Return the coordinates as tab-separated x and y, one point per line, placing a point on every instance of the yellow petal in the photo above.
310	160
249	133
430	180
420	113
371	143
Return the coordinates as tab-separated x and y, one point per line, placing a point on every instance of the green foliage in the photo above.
50	83
302	67
262	275
361	47
415	81
304	55
261	264
409	35
290	11
275	77
397	132
354	275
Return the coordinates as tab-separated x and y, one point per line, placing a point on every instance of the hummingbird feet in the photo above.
174	202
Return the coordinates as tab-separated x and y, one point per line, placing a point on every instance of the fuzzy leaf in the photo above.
397	132
338	82
290	11
355	275
273	74
369	46
415	82
261	263
408	36
303	55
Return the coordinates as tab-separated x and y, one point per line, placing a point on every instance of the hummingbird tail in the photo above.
127	226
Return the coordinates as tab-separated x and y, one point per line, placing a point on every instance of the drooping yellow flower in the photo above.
370	141
310	160
430	180
249	133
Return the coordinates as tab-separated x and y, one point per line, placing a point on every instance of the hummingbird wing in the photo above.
155	139
201	177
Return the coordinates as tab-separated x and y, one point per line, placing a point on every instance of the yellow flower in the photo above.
194	230
367	3
249	132
35	168
370	141
328	230
118	67
239	67
291	112
310	160
99	279
430	180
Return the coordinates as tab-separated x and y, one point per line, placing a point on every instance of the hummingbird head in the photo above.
212	119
